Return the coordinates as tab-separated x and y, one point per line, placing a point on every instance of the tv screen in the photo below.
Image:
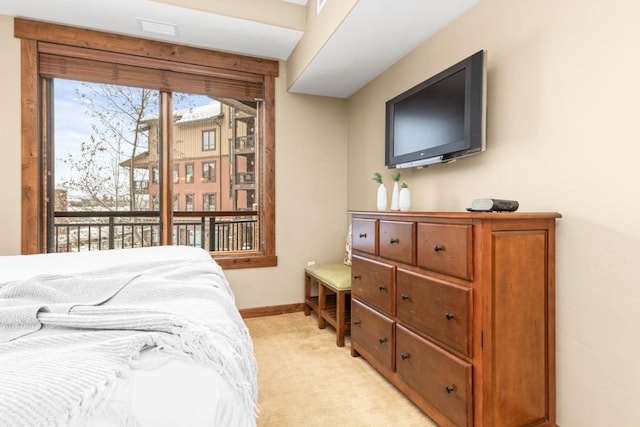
440	119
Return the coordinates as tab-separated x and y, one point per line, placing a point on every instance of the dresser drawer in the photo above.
438	377
364	235
373	282
437	309
396	241
446	249
373	333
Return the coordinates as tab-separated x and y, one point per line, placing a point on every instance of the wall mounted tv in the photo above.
440	119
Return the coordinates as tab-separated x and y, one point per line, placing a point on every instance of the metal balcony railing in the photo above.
245	178
235	231
244	142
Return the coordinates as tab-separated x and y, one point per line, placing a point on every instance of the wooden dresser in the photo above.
457	311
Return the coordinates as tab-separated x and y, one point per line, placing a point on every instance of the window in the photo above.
51	51
188	202
208	139
209	202
176	174
188	173
176	202
155	175
209	171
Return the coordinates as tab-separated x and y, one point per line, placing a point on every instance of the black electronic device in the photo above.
440	119
493	205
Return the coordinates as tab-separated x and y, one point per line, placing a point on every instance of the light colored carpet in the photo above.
305	380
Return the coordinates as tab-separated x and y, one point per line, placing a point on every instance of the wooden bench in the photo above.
333	301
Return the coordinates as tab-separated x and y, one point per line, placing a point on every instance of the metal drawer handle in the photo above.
449	315
381	287
394	241
438	248
449	388
382	340
404	297
404	356
356	276
356	322
363	235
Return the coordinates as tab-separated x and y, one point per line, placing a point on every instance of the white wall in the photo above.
311	219
10	139
563	110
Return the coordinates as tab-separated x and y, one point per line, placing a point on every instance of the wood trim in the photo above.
269	172
32	229
247	261
166	171
151	78
273	310
71	36
152	63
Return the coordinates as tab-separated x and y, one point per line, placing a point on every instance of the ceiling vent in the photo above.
157	27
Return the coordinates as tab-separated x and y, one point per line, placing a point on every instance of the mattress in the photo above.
159	389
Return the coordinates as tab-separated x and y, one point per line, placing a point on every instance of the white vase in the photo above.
382	198
404	201
394	197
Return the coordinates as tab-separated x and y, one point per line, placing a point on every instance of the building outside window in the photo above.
188	202
176	202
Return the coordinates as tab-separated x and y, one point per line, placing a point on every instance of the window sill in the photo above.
236	262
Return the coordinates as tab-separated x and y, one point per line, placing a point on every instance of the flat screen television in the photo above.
439	120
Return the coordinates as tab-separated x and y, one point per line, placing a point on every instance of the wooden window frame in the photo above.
52	50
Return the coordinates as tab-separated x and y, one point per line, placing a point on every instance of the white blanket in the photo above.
66	339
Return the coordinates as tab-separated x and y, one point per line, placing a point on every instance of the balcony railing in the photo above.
244	142
245	178
213	231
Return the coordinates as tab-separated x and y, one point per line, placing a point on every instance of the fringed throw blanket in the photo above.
65	340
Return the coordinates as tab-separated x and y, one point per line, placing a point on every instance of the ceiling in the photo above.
376	33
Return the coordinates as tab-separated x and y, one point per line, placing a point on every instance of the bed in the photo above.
131	337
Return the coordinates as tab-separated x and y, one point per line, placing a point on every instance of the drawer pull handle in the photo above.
356	322
404	356
382	340
363	235
449	315
381	287
394	241
356	276
404	297
438	248
449	389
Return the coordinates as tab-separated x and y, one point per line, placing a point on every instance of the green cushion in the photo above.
337	276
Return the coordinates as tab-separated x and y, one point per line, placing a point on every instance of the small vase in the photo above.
382	198
404	201
394	197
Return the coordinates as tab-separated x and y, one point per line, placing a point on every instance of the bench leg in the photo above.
307	294
322	305
341	296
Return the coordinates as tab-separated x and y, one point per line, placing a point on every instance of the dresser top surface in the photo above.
454	215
